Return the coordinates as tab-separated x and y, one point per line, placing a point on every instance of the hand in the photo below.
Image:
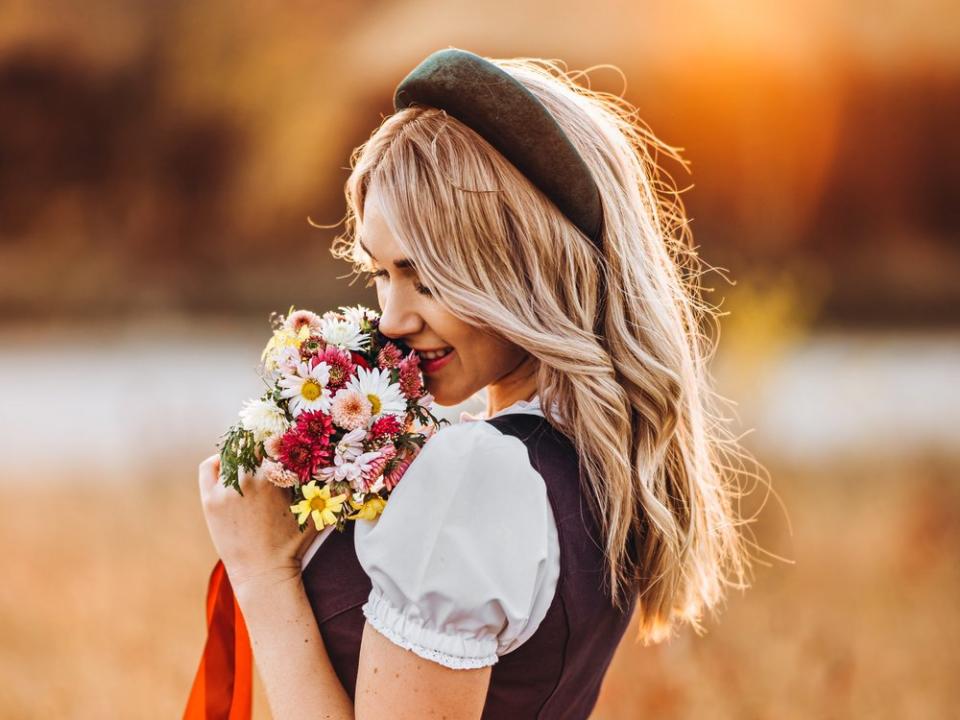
255	535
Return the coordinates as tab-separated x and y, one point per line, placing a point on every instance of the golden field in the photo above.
101	608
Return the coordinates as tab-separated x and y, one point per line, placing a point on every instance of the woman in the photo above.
521	240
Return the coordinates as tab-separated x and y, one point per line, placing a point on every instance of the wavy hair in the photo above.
627	371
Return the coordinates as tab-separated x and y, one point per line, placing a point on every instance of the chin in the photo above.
445	398
440	399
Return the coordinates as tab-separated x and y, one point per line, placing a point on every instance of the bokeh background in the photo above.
159	162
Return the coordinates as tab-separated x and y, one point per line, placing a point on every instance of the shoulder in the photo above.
467	476
435	556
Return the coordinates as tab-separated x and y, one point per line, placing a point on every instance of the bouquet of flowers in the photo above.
344	414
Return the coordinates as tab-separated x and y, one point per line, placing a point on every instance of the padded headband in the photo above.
500	109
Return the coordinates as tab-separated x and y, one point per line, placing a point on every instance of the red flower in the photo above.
385	426
359	360
300	454
316	425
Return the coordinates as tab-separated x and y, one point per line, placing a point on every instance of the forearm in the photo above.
289	652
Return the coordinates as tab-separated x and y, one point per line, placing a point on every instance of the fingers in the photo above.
252	481
209	477
245	479
209	473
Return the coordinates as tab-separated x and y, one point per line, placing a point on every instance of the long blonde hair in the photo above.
635	399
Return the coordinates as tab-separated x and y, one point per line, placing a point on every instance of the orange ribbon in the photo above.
223	686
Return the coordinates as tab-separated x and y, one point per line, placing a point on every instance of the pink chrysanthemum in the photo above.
374	469
385	426
340	363
350	409
389	356
302	455
299	318
411	383
391	478
276	474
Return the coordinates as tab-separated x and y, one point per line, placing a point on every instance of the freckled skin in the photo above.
415	688
482	358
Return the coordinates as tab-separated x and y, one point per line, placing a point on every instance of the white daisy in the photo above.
343	333
356	313
306	388
263	418
375	385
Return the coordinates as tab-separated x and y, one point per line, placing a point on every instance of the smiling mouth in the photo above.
434	355
435	365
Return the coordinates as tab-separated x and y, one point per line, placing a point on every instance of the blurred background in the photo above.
158	166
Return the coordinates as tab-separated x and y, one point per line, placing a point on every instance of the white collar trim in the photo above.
520	406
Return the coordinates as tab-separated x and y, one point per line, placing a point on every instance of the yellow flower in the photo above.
368	510
282	338
318	504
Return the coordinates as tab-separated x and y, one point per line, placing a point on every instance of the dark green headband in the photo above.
500	109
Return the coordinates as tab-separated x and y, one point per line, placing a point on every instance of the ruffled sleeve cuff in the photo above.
456	651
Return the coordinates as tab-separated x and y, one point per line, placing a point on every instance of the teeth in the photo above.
434	355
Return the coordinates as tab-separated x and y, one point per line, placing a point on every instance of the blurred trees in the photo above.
166	157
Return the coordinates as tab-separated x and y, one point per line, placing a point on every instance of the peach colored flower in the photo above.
276	474
271	446
350	409
299	318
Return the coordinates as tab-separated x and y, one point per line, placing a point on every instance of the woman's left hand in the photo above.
255	535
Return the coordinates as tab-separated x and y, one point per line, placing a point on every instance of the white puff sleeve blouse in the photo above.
464	560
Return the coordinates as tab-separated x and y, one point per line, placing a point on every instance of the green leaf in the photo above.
236	452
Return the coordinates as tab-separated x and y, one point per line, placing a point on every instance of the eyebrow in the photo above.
401	264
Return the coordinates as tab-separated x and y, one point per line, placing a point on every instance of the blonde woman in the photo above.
522	241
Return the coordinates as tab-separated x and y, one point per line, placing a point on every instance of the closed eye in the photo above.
372	277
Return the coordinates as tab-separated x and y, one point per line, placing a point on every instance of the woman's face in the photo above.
409	313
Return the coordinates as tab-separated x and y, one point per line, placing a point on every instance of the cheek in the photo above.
488	355
448	328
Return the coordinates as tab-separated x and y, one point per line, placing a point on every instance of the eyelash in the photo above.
372	276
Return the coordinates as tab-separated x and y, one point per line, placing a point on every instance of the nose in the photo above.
398	320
